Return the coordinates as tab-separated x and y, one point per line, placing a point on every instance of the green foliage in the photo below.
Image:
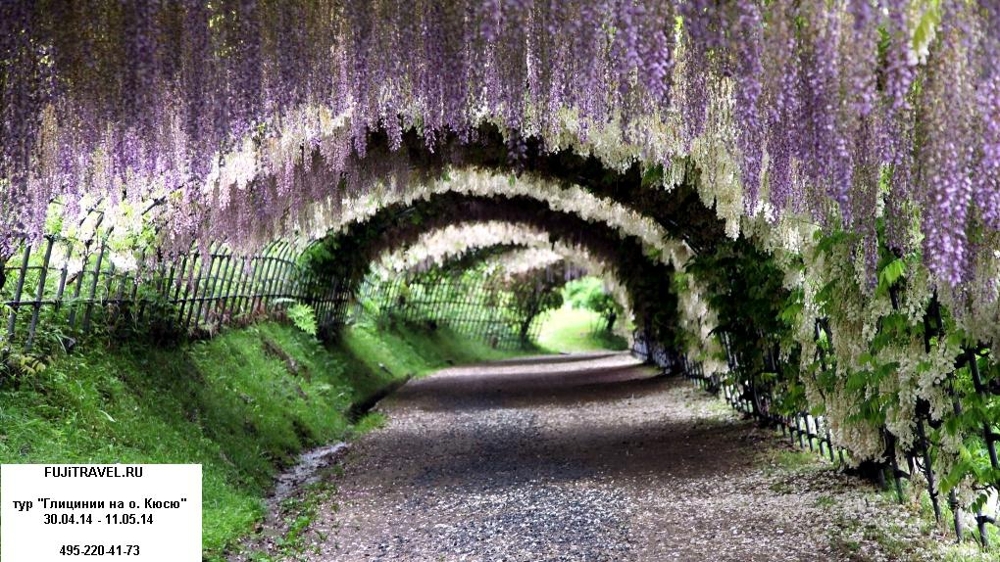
474	299
938	371
20	366
224	403
891	273
532	295
588	292
570	329
303	317
652	177
745	290
233	404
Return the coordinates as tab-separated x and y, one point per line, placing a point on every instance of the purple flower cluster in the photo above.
748	110
825	102
783	128
945	158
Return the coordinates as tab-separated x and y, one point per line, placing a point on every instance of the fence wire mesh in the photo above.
470	307
62	290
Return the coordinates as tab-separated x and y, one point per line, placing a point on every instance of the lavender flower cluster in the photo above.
252	118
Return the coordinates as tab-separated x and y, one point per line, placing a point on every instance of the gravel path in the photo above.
582	458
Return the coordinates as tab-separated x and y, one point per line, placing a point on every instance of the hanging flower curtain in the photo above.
259	110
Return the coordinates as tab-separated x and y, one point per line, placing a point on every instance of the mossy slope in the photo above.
242	404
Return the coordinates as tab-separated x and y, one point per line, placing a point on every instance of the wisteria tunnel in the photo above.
796	205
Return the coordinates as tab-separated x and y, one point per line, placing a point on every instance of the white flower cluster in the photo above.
574	200
977	311
438	246
862	439
697	320
654	138
793	233
904	386
717	161
525	260
832	289
833	286
453	241
120	225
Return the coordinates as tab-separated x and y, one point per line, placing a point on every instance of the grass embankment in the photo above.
570	329
242	405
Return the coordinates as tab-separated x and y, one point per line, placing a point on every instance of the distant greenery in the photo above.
479	302
567	330
586	321
588	292
243	405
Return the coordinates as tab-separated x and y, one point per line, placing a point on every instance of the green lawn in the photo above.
569	329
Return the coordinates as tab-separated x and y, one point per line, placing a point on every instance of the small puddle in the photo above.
311	463
307	471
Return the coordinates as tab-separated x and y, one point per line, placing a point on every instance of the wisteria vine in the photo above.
531	248
828	106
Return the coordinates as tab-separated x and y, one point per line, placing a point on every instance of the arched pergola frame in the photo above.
343	258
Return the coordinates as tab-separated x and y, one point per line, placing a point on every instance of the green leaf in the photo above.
856	382
926	28
791	312
653	176
892	272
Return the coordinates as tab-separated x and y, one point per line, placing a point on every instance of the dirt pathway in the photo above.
583	458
